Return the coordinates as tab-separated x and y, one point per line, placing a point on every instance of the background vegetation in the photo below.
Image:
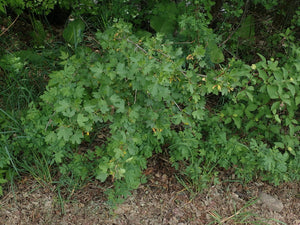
92	89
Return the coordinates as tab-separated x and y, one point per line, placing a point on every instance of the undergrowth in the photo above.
179	84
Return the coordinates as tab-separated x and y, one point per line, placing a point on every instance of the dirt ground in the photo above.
162	200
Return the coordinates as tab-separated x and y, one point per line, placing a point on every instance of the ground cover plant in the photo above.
199	87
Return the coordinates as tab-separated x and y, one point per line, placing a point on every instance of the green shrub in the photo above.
139	90
175	90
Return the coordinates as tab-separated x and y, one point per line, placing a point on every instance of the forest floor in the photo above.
162	200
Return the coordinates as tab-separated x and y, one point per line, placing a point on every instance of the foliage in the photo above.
24	76
125	9
140	91
23	79
9	127
38	6
181	89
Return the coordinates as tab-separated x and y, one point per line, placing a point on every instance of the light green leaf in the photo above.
58	156
272	91
134	114
81	120
287	101
69	112
118	103
121	70
63	105
237	122
167	67
250	96
102	104
76	138
199	52
64	55
292	129
275	106
133	149
227	120
279	144
65	133
118	153
291	89
89	107
285	73
51	137
297	66
2	181
263	74
101	176
198	114
297	100
278	75
277	118
79	91
238	113
262	57
97	69
292	151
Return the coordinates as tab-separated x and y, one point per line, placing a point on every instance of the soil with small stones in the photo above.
162	200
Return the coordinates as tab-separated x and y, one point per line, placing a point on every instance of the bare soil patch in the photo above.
162	200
